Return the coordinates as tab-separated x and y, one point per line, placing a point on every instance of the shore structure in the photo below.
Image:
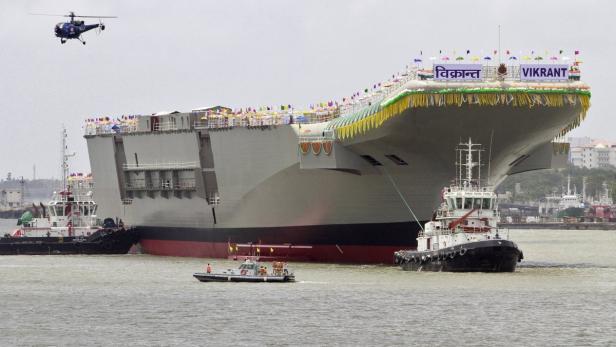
348	181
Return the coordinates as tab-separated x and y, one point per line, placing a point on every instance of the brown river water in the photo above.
563	293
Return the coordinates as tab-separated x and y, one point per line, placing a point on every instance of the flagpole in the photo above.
499	45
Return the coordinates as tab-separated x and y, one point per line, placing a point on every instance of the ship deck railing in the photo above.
471	189
458	213
161	166
324	136
162	186
141	183
233	121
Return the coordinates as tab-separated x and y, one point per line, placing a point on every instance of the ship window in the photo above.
451	202
458	202
477	203
468	203
486	204
245	266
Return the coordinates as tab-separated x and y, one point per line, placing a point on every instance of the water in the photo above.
564	293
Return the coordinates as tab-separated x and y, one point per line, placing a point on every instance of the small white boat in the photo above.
249	271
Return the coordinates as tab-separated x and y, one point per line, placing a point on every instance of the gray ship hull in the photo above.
267	193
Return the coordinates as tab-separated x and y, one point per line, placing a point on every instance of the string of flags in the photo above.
508	53
364	95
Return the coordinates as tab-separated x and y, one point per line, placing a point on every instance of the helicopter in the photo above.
73	29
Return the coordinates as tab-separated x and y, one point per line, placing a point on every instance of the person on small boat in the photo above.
208	269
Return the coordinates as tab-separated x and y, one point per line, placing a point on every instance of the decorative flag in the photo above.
495	51
420	52
508	52
577	52
560	52
468	51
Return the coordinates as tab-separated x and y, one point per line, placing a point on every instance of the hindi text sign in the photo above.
457	72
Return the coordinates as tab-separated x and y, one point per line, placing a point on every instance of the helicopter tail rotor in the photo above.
101	26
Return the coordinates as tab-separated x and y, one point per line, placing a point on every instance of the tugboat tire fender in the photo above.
452	255
462	251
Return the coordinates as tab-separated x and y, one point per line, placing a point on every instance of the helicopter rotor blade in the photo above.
71	14
48	14
94	16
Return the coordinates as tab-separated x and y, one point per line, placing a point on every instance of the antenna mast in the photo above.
65	157
22	183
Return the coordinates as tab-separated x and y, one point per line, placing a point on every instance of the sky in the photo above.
180	55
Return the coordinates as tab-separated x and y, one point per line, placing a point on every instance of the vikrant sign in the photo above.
544	72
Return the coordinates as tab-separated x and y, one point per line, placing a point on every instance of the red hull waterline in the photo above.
366	254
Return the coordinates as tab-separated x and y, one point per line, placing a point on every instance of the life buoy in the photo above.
243	272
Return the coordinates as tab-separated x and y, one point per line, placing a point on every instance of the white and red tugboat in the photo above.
463	235
69	224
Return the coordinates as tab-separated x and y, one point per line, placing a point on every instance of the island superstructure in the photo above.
342	182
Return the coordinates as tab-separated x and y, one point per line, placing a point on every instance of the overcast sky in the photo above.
178	55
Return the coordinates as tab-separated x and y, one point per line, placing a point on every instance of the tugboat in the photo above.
249	271
463	235
70	224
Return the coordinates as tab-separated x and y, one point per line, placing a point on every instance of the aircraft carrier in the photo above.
345	182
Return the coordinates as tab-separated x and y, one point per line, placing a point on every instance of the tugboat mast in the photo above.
65	157
466	167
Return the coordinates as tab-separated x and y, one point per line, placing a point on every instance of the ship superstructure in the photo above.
335	183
